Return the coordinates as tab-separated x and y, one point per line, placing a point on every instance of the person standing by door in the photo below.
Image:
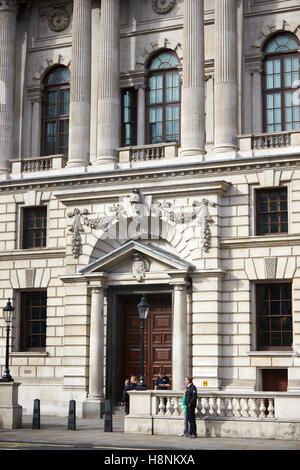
129	385
190	403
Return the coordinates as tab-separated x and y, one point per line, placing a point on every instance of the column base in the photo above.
76	163
106	163
226	149
93	408
192	151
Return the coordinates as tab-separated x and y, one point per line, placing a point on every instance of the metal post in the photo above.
72	416
6	377
142	384
36	419
108	417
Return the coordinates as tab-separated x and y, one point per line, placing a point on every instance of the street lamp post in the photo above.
7	313
143	308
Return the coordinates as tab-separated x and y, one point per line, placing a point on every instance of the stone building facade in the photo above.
149	148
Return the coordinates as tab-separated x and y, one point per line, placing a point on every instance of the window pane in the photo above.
33	320
270	81
274	316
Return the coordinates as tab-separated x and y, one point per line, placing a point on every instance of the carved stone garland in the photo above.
163	6
136	206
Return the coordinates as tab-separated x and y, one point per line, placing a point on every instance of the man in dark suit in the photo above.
190	403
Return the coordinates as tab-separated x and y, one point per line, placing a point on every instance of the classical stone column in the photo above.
179	346
96	344
109	88
225	76
8	12
80	102
193	86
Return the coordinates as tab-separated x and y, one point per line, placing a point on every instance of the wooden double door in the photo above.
158	337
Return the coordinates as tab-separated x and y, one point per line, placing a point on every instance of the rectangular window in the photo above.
129	117
271	211
34	227
274	316
33	320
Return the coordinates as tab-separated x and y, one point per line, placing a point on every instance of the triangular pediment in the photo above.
116	259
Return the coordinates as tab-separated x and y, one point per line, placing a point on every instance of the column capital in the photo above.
98	289
179	280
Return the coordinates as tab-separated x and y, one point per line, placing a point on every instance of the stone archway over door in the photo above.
158	337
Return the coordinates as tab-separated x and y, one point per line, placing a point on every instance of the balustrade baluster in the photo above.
262	408
214	407
222	407
271	408
229	411
253	408
161	406
245	410
176	406
168	406
237	408
206	406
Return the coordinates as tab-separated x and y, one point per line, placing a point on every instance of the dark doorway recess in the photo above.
123	338
274	380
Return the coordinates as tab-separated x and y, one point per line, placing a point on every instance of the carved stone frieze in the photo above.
137	208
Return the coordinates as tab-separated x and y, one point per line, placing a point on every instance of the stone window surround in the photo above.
270	353
17	327
252	212
134	79
19	226
138	81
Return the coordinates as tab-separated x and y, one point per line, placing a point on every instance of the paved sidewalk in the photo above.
90	433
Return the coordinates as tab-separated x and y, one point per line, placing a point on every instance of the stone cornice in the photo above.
33	254
88	196
259	241
181	171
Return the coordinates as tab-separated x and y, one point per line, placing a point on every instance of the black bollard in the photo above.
36	419
72	416
108	417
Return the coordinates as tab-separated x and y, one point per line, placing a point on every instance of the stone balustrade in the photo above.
273	415
208	405
269	141
144	153
32	165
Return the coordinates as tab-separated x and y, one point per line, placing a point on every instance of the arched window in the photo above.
163	98
280	81
55	111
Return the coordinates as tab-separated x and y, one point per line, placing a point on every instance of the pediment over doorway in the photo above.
137	258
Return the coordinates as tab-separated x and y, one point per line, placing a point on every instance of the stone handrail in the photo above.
218	405
31	165
141	153
269	140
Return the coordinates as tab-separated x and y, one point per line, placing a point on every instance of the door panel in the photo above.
158	337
